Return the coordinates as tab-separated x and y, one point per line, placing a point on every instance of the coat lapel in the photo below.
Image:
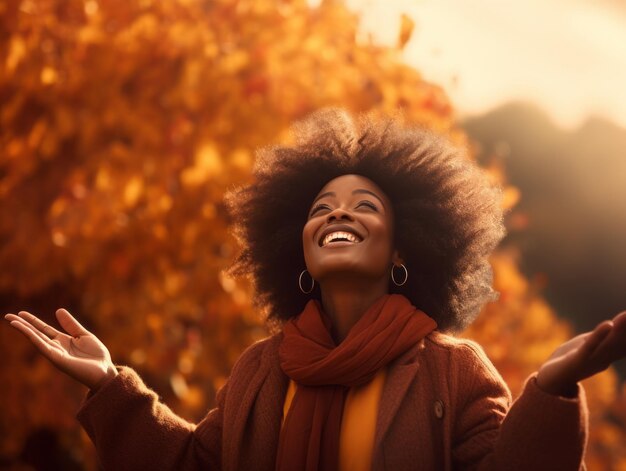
399	377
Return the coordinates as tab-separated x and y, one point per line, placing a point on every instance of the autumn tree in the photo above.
122	124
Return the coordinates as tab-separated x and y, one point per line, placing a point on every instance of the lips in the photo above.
339	233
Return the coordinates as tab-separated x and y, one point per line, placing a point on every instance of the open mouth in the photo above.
339	236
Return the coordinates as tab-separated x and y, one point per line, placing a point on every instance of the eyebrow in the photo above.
355	192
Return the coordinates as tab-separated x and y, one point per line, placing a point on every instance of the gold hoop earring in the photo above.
300	283
406	275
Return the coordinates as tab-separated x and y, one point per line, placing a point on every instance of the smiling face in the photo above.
349	231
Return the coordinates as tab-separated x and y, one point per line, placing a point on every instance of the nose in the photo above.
339	214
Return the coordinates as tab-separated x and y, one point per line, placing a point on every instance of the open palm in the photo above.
584	356
80	354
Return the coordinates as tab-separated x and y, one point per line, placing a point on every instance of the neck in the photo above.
345	302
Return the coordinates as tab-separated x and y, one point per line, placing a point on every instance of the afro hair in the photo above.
448	216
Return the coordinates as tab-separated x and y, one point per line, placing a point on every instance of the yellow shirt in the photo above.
358	424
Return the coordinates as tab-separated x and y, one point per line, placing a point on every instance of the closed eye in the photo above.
318	208
368	204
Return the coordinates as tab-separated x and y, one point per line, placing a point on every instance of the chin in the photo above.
343	271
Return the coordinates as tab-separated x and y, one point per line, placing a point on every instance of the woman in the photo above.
386	232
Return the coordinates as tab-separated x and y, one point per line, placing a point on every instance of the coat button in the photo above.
438	406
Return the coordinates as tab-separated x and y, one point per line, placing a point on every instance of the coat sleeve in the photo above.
132	430
539	431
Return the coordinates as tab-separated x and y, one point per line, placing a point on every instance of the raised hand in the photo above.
80	354
584	356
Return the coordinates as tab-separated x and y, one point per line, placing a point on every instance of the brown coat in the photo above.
443	407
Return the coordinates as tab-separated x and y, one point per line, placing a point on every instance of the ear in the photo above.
396	259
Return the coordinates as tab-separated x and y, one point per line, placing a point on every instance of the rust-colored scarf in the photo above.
309	439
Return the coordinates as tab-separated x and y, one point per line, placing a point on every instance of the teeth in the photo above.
340	235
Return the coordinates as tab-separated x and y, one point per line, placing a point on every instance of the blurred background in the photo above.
122	123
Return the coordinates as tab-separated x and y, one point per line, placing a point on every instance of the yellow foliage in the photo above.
207	165
122	124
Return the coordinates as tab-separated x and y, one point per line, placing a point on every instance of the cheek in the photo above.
390	232
308	231
382	233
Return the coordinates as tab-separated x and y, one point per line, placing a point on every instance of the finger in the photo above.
70	324
595	339
47	348
614	346
48	330
14	318
619	321
32	328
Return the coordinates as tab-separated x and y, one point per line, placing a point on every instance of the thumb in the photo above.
71	325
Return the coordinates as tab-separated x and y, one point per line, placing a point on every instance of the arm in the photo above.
540	431
546	428
130	428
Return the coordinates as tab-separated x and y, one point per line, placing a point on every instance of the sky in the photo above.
566	56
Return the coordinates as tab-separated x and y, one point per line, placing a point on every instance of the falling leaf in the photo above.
406	30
